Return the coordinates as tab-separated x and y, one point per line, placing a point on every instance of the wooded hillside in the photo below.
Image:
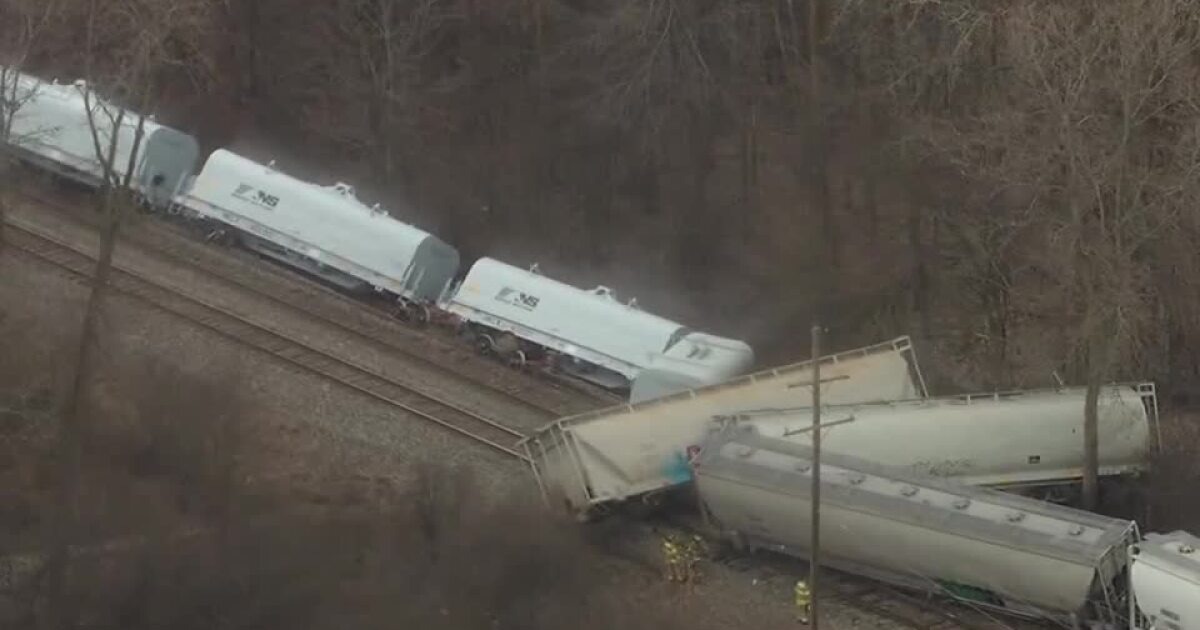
1014	183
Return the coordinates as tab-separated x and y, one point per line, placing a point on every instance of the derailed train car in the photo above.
1165	582
323	230
1009	440
52	127
590	333
992	548
597	460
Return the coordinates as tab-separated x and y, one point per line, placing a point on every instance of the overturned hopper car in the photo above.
1165	581
598	460
1013	439
992	548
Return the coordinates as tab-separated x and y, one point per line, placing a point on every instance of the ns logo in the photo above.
518	298
246	192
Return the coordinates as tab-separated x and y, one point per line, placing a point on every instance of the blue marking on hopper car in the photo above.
677	469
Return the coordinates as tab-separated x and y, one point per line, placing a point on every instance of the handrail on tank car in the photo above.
1147	389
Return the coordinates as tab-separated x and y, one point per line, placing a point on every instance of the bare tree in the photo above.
20	23
1080	144
393	37
660	83
1108	89
143	42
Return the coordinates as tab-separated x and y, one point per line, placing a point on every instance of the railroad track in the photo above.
302	300
426	406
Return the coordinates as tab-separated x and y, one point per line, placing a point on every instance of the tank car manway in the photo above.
444	413
302	300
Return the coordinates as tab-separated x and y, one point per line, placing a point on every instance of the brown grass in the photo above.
173	535
448	559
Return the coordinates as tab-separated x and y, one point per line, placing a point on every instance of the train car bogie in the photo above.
415	313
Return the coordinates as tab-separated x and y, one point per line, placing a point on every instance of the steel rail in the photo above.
294	351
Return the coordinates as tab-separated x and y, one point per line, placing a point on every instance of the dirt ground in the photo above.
316	444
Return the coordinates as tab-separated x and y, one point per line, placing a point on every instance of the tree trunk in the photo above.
71	431
1091	443
1101	355
919	273
5	184
250	83
7	159
749	173
819	170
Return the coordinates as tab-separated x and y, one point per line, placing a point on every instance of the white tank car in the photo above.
990	547
1025	438
324	230
1165	581
598	459
51	128
617	344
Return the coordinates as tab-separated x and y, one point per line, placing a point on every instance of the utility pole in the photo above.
815	545
822	206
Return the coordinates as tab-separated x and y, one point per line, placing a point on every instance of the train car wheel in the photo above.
422	316
484	344
219	236
506	344
516	359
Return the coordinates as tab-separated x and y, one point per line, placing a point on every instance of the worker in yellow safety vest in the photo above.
695	552
803	601
673	557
